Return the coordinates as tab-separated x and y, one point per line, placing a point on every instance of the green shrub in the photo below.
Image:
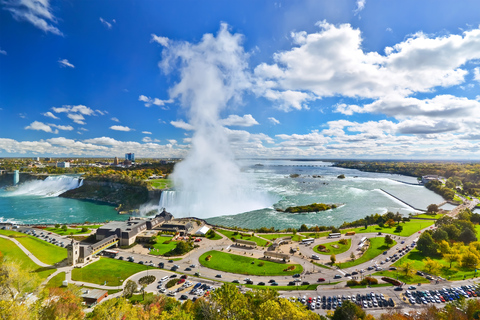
171	283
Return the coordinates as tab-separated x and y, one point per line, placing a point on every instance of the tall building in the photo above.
115	161
63	164
130	157
16	177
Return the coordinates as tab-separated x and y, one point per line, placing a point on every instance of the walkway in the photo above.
28	253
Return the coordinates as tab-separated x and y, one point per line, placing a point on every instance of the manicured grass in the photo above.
321	265
69	231
111	291
138	298
161	183
455	273
332	250
160	248
273	236
216	237
109	270
377	246
316	234
401	277
247	236
373	285
233	263
12	252
286	288
409	228
56	281
44	251
429	216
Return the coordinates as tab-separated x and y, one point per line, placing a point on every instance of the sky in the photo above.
344	79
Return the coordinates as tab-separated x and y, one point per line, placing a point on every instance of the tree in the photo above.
60	303
452	231
333	259
57	226
388	240
64	227
406	269
454	256
84	230
426	245
444	247
399	229
349	311
303	228
469	260
390	222
440	235
432	208
467	236
431	266
129	289
15	280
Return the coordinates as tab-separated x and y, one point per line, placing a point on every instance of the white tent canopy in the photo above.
203	230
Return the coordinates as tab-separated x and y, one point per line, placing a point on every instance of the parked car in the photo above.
321	280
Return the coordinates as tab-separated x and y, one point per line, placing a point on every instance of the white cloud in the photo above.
65	63
160	40
115	119
273	120
106	23
158	102
146	132
360	6
476	74
37	12
121	128
77	118
22	115
182	125
3	52
66	128
50	115
40	126
103	141
235	120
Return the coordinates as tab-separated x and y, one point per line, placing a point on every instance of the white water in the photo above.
50	187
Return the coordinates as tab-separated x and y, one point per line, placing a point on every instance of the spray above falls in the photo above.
213	76
52	186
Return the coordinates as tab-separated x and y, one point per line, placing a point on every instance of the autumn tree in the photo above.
432	266
406	269
333	259
60	303
349	311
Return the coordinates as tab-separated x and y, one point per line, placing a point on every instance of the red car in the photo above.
321	280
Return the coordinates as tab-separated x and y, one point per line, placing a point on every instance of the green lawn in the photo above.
377	246
109	270
455	273
56	281
11	251
372	285
216	237
138	298
409	228
161	183
69	231
477	231
272	236
248	236
429	216
401	277
233	263
286	288
316	234
160	248
321	265
332	250
44	251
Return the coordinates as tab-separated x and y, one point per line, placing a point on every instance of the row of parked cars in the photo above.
370	300
442	296
46	237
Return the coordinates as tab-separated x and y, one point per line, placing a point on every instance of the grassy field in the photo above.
138	298
12	252
315	234
373	285
413	279
216	237
377	246
429	216
248	236
109	270
409	228
455	273
56	281
161	183
44	251
245	265
69	231
332	250
273	236
160	248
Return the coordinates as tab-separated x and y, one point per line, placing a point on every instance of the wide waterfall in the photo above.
50	187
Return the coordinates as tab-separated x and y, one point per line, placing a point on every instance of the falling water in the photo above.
50	187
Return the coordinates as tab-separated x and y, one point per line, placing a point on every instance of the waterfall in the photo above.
167	199
50	187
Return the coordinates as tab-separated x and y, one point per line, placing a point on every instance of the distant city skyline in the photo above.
340	79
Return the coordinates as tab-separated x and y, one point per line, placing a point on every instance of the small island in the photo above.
314	207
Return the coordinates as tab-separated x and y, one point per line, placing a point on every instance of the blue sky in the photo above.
314	79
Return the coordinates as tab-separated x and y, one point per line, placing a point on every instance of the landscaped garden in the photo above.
160	183
56	281
212	235
12	252
234	263
163	245
335	247
408	228
44	251
377	246
65	231
107	270
272	236
243	236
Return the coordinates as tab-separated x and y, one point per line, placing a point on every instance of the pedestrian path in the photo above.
28	253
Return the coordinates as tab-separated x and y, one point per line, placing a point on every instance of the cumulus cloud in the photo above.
158	102
182	125
121	128
273	120
360	6
164	41
149	140
146	132
476	74
37	12
40	126
76	113
50	115
115	119
77	118
66	128
65	63
235	120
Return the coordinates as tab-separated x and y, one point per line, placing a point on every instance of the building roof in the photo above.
203	230
93	294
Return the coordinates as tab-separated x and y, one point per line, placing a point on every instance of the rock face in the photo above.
6	179
123	196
